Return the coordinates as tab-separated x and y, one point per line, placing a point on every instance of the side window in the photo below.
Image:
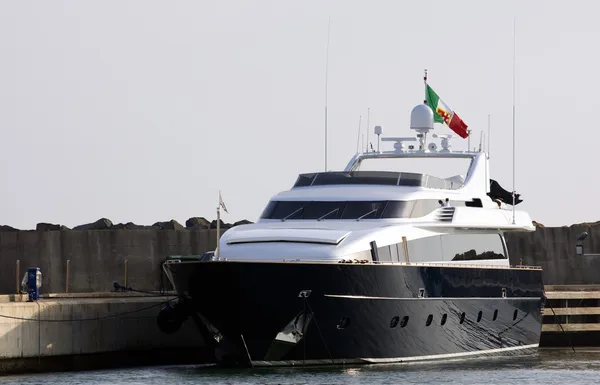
425	249
384	254
423	207
394	253
471	247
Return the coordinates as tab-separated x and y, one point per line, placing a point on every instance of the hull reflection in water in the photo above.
261	313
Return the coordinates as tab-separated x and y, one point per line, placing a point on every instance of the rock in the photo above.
170	225
7	229
197	223
42	226
213	224
242	222
100	224
128	226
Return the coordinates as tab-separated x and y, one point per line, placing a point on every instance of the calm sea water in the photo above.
548	368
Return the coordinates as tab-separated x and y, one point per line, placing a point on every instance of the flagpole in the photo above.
425	102
218	230
326	78
425	81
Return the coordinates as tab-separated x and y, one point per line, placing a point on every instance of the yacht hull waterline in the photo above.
282	313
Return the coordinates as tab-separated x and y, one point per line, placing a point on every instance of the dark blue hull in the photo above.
295	313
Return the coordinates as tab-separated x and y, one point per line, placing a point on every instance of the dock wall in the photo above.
96	258
553	248
79	333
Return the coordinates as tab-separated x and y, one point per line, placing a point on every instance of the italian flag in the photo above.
444	114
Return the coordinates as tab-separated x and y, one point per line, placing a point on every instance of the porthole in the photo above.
462	317
394	322
479	315
429	320
404	321
344	322
516	312
495	314
444	317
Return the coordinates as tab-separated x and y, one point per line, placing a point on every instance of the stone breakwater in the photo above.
194	223
90	257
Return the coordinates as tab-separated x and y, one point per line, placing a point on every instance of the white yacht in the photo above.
370	266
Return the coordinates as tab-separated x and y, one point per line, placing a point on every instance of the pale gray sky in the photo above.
142	110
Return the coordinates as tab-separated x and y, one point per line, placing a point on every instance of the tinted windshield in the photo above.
341	210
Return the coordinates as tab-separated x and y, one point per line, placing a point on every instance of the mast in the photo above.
513	118
489	138
358	139
326	76
218	230
368	126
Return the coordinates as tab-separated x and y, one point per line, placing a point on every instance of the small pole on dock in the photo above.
67	276
126	273
17	274
221	204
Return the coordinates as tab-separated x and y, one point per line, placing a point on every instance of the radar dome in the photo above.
421	118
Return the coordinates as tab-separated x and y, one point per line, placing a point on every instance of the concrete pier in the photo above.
90	333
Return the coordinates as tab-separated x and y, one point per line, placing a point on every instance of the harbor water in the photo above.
547	367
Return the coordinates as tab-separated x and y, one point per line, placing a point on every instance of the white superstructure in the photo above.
385	217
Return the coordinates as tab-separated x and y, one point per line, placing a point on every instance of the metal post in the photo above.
67	276
218	230
405	249
18	280
126	274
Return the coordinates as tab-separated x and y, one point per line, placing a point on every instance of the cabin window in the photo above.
284	209
516	312
425	249
423	207
404	321
462	317
444	318
325	210
384	254
394	253
344	322
348	209
394	322
363	210
398	209
479	315
429	320
495	314
470	247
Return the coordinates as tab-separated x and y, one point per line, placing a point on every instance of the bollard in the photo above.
18	273
126	273
67	276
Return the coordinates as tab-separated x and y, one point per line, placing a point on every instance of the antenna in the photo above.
368	126
326	75
480	139
489	138
358	139
513	113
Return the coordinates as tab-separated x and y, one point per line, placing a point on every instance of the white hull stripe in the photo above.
431	298
399	360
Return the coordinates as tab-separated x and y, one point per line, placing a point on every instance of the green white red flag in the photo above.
444	114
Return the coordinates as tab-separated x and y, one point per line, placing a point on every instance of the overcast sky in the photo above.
142	110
